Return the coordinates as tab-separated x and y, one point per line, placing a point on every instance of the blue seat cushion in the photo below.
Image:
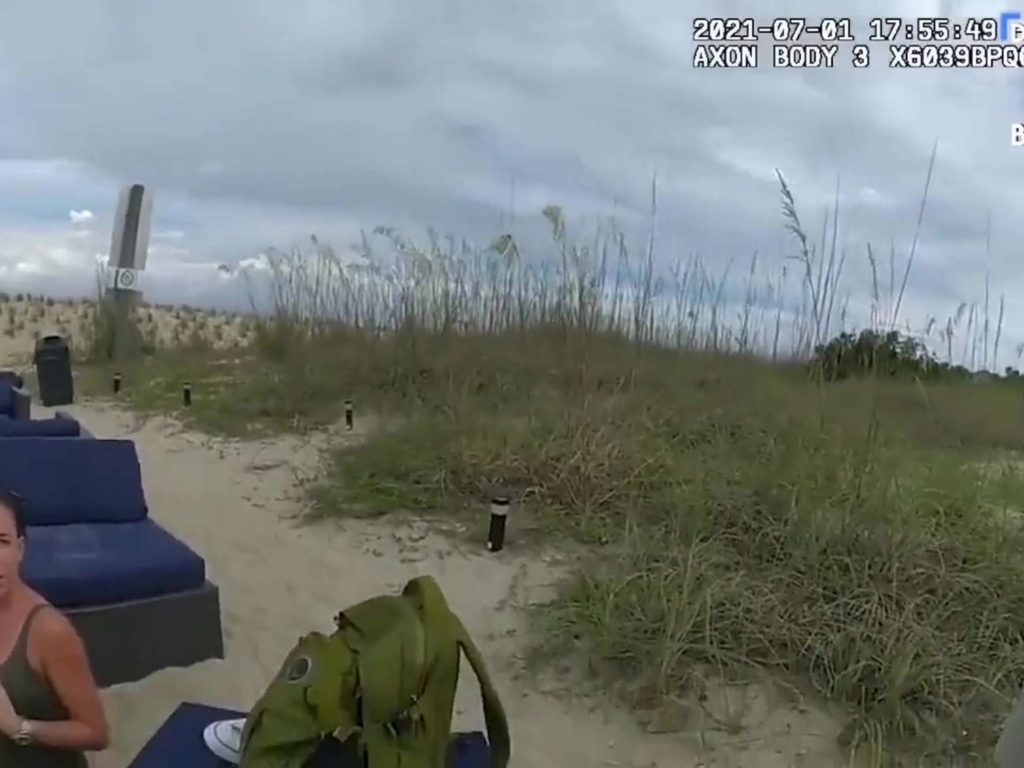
179	742
56	427
67	480
95	564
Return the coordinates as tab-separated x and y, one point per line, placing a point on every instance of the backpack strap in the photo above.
426	592
494	713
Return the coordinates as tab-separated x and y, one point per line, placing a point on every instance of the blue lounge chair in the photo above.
179	742
138	596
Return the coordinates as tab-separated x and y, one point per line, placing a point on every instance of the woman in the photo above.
50	708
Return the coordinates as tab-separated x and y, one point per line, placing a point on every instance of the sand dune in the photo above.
24	318
237	504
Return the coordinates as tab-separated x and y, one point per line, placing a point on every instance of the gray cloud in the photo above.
262	121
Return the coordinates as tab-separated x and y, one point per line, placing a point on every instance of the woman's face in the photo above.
12	548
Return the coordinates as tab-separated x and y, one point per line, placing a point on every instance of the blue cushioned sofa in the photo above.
138	596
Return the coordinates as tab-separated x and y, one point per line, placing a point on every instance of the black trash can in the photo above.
53	371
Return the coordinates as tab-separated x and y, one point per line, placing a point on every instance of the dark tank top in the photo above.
34	699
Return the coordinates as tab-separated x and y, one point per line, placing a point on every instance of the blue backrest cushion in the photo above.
56	427
68	480
6	400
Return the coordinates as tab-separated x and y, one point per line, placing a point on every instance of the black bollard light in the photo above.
186	393
117	383
348	415
499	515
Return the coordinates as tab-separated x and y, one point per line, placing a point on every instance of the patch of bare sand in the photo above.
12	352
237	503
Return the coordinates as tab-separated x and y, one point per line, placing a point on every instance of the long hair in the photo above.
16	505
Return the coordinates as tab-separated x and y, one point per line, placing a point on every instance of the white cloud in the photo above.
44	252
80	217
260	264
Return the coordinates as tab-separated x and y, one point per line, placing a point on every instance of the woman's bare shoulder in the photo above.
52	630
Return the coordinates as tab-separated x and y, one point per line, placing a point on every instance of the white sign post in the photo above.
128	250
130	241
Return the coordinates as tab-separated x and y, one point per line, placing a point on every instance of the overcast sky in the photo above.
259	122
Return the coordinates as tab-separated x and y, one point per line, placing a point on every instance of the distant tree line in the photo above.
889	354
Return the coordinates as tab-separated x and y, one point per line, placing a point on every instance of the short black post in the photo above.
117	383
499	515
186	393
348	415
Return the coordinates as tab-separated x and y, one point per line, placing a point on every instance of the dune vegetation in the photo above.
751	494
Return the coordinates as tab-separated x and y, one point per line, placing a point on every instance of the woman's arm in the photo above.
62	659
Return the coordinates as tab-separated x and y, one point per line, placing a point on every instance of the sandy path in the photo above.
235	504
